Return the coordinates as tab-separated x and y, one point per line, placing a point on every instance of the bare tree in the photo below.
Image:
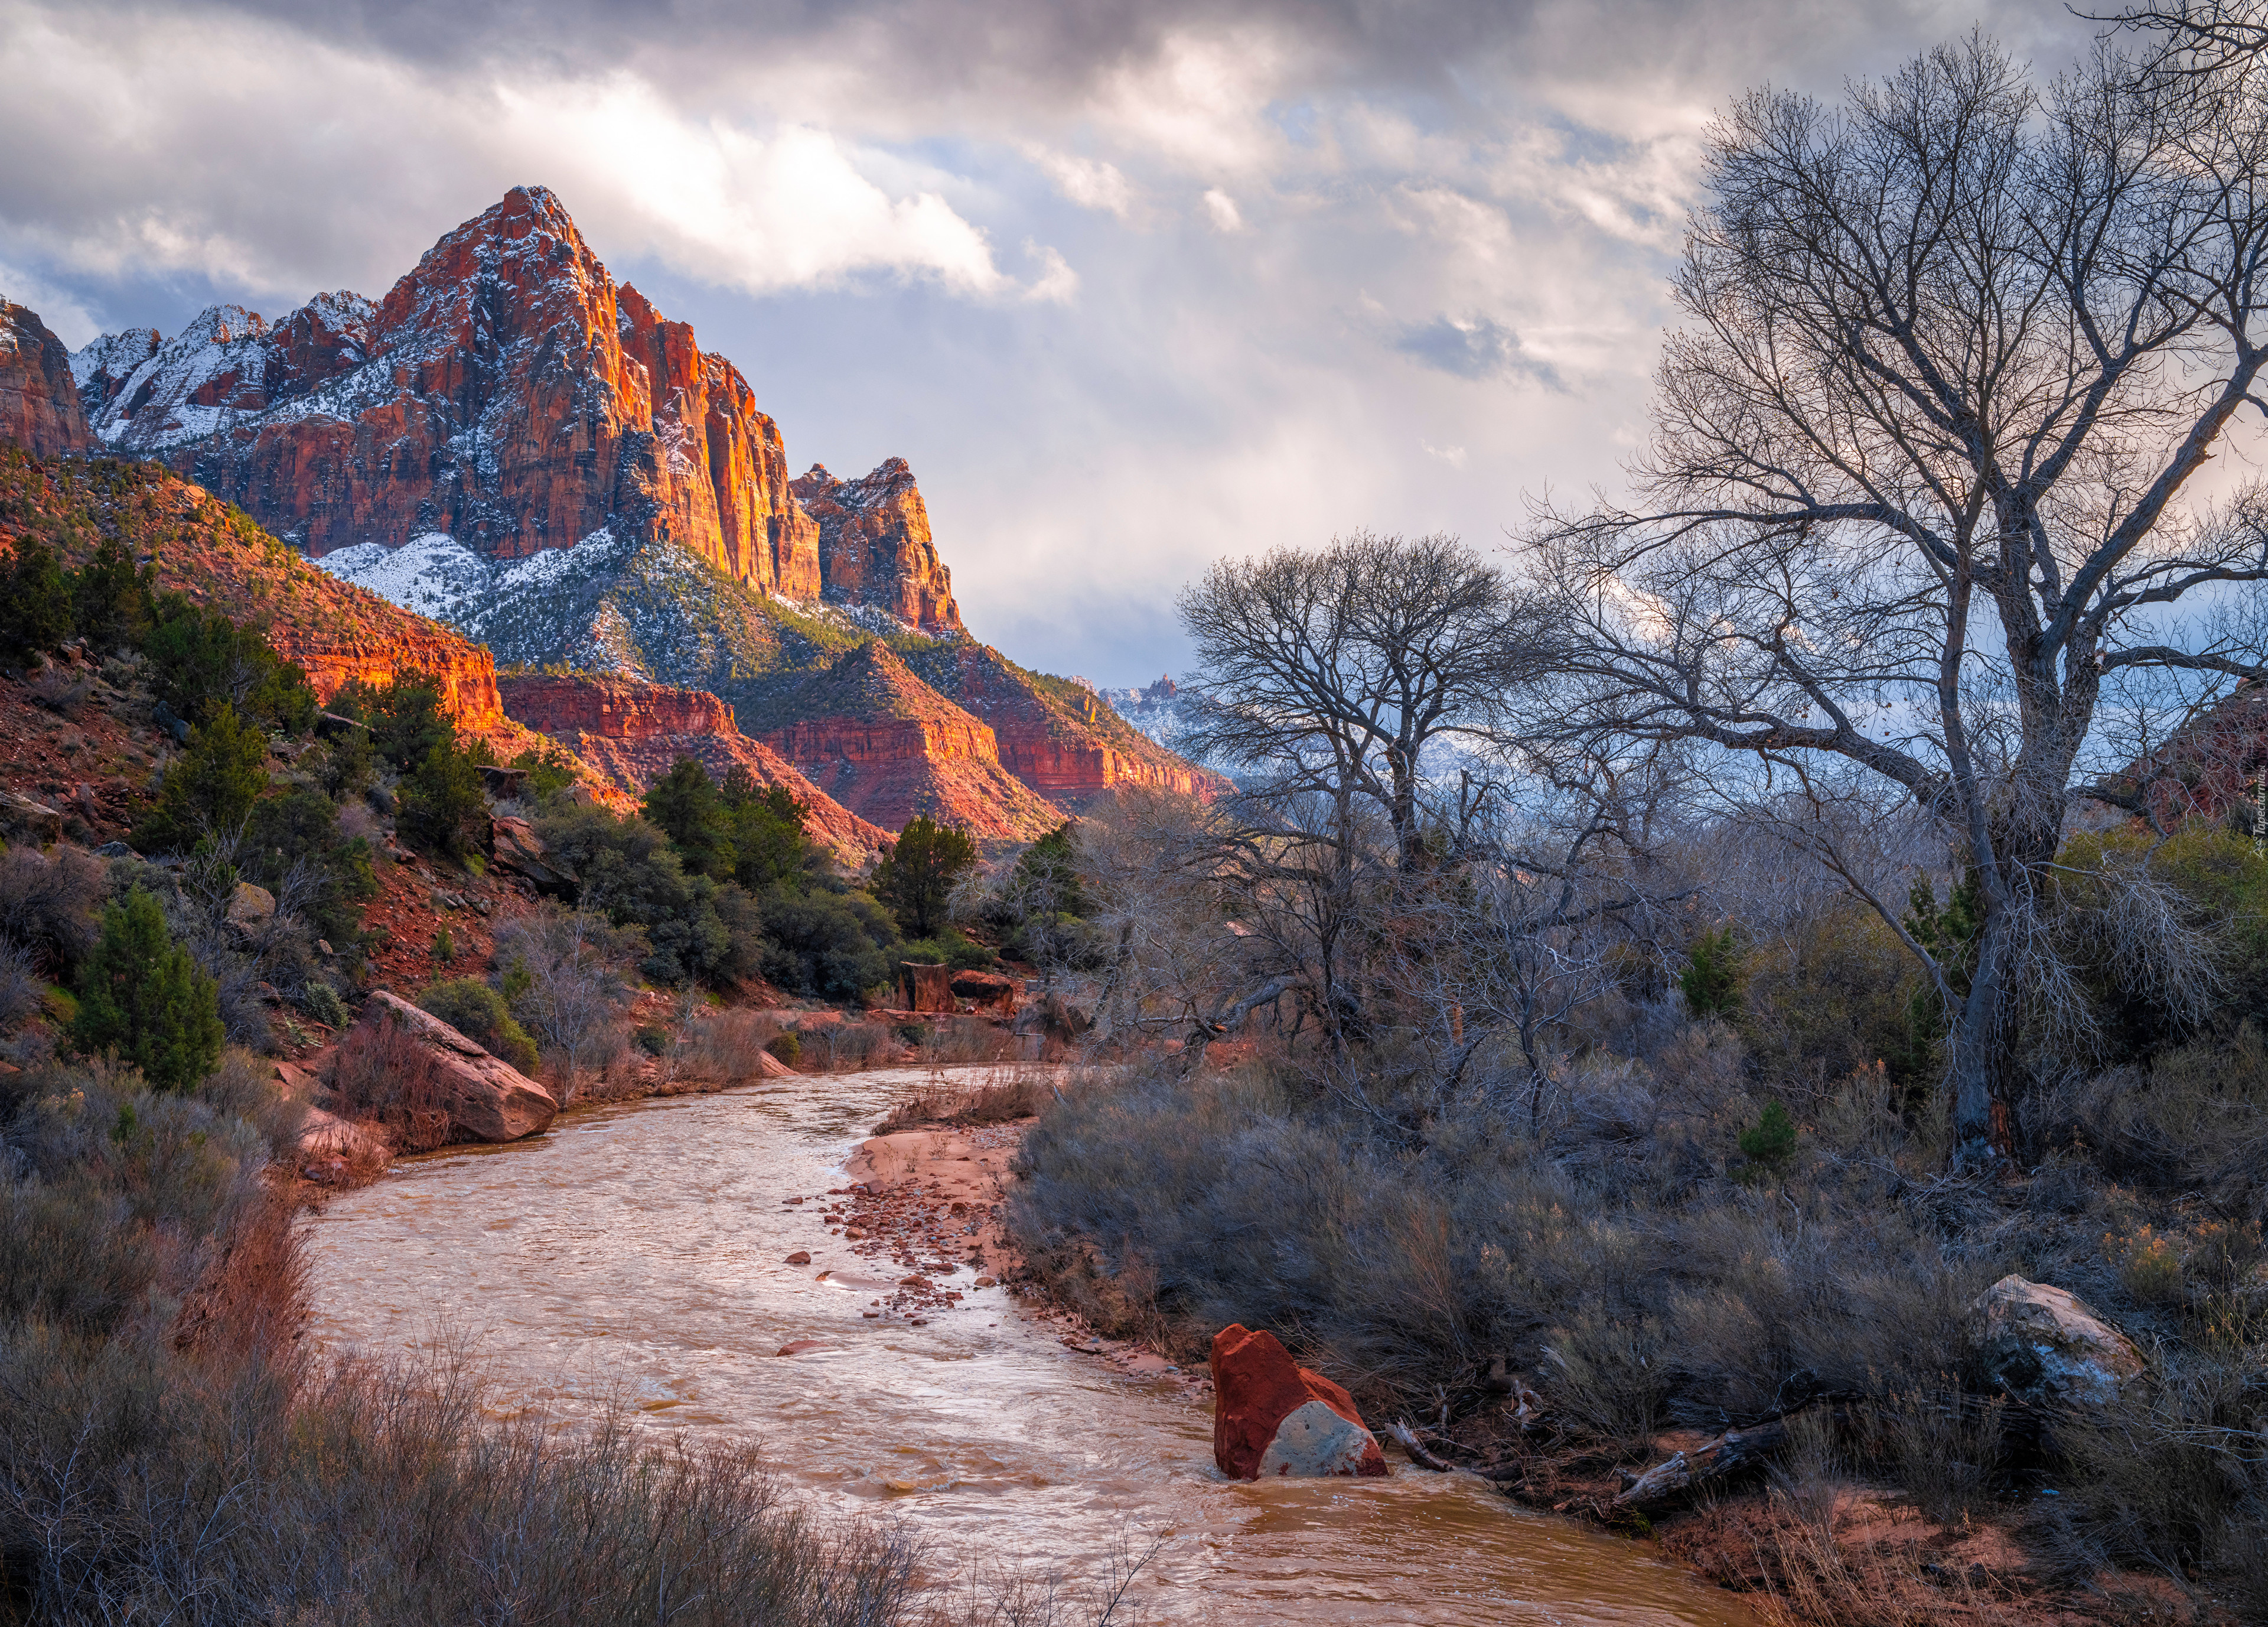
1918	477
1333	672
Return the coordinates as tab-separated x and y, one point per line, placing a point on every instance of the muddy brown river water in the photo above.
636	1253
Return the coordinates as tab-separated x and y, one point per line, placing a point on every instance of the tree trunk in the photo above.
1981	1039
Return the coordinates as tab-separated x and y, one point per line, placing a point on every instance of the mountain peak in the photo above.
875	548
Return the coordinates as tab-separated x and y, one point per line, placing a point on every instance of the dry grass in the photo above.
724	1047
1002	1101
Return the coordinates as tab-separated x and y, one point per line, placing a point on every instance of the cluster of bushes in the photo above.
725	883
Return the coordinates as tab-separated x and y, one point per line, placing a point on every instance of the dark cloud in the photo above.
1473	347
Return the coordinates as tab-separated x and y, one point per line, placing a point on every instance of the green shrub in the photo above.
292	842
826	944
143	996
321	1001
444	949
210	789
653	1040
696	928
1711	982
201	660
1768	1145
35	603
786	1047
770	843
442	800
686	806
479	1013
917	876
112	602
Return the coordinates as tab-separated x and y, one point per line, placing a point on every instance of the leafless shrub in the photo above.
51	902
20	985
846	1048
61	688
564	970
960	1040
381	1072
724	1045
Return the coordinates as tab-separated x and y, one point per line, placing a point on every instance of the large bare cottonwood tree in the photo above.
1920	478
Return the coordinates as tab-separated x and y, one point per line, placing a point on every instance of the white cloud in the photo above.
1454	456
58	310
755	210
1221	210
1056	283
1091	183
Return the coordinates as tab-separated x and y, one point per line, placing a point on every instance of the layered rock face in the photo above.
39	400
1057	737
633	732
481	1097
505	391
877	739
875	547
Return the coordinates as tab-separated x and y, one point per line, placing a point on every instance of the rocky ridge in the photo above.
633	732
878	740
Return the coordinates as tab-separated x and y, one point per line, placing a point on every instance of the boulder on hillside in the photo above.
1273	1417
928	987
517	848
484	1097
989	991
21	817
2044	1343
249	911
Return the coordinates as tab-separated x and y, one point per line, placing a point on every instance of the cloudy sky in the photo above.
1131	284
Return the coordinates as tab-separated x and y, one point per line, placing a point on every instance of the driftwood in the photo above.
1408	1438
1735	1452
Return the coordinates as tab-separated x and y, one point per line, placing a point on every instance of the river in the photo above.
636	1253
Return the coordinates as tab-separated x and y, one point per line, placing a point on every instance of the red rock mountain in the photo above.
1055	735
632	733
887	746
39	401
505	391
875	547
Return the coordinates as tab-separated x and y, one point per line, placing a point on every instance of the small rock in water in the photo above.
986	1281
797	1347
799	1258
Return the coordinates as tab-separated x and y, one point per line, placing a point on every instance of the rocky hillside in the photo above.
1056	736
633	732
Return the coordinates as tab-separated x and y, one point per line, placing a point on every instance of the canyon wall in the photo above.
39	401
505	391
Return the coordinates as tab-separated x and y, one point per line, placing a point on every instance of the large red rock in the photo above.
38	400
875	547
633	732
1273	1417
486	1098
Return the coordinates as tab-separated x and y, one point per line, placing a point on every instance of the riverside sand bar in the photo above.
638	1251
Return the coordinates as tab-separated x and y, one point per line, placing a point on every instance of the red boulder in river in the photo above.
1273	1416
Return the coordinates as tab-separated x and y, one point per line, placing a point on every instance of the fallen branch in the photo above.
1733	1452
1407	1439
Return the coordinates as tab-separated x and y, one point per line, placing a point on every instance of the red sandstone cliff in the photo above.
505	391
1056	736
875	547
878	740
633	731
39	400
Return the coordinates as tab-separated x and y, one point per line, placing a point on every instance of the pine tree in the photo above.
1711	982
35	603
686	806
213	786
916	877
142	995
